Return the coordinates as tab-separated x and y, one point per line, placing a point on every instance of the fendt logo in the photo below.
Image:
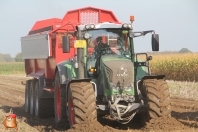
122	72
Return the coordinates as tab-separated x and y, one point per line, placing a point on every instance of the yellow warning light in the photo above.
132	18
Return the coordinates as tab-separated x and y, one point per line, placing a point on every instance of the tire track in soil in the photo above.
183	115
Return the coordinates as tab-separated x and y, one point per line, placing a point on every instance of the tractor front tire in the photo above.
81	103
157	98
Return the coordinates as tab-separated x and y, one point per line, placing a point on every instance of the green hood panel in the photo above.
117	75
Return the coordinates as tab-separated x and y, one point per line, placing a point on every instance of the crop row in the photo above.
12	68
178	67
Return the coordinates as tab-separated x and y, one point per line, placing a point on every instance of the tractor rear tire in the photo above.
27	96
59	100
157	98
32	96
44	107
81	103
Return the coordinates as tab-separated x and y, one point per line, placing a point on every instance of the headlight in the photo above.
90	26
87	26
86	35
130	26
125	25
115	88
127	88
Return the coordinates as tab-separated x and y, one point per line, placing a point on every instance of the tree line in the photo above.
8	58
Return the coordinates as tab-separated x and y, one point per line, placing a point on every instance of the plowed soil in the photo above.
184	116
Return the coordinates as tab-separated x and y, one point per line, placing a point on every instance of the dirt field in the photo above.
184	115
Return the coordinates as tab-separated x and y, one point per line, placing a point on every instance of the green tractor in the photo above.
107	77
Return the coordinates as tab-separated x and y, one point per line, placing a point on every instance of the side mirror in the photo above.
155	42
66	44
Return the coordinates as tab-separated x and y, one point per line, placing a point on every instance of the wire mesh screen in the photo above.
89	17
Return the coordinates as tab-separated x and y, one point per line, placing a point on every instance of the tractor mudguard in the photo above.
82	80
61	69
66	71
153	77
77	80
67	74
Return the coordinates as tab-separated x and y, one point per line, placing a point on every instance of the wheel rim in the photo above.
71	111
58	111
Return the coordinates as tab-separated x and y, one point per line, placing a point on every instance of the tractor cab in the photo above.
109	40
116	41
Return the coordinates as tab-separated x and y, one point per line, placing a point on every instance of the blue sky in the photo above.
176	21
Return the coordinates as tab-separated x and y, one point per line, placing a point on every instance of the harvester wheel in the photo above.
157	99
59	100
27	96
81	103
44	107
32	96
